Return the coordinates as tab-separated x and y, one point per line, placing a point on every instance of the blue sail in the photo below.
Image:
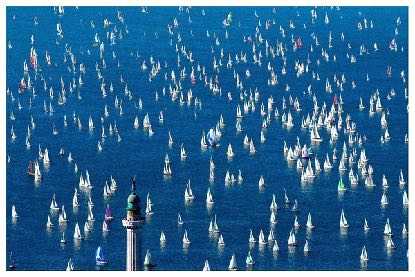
211	137
99	257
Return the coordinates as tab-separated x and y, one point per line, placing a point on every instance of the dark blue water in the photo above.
238	207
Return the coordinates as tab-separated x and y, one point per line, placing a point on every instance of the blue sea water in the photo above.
239	207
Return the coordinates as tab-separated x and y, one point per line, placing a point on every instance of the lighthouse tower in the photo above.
132	224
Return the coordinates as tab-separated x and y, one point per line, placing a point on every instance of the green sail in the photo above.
341	184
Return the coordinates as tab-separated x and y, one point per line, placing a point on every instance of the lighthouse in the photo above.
132	224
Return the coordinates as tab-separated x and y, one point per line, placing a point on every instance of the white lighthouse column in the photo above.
132	225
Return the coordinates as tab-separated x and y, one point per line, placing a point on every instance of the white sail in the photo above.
363	255
343	221
162	237
273	205
206	267
291	239
230	152
261	238
147	259
232	263
306	247
105	226
251	237
14	213
70	266
309	222
185	238
221	242
209	198
77	233
188	194
179	219
366	225
384	199
182	152
387	230
405	200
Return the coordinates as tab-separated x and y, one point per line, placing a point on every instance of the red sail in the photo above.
299	44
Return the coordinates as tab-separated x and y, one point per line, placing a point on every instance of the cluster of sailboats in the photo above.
326	121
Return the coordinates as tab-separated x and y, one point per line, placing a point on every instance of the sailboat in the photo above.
404	230
209	198
38	175
49	223
238	112
252	147
363	255
188	194
315	136
70	266
387	231
147	260
401	179
170	140
249	260
90	203
167	169
273	218
87	227
179	219
306	247
185	237
230	152
384	200
295	206
206	267
53	204
340	186
275	248
211	137
405	200
182	152
136	123
291	239
14	213
99	257
271	236
90	215
261	182
221	242
286	200
384	181
203	143
232	264
63	240
105	226
389	244
213	226
46	159
296	223
77	234
273	205
309	222
378	105
343	221
261	238
162	237
146	121
62	216
251	237
366	226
